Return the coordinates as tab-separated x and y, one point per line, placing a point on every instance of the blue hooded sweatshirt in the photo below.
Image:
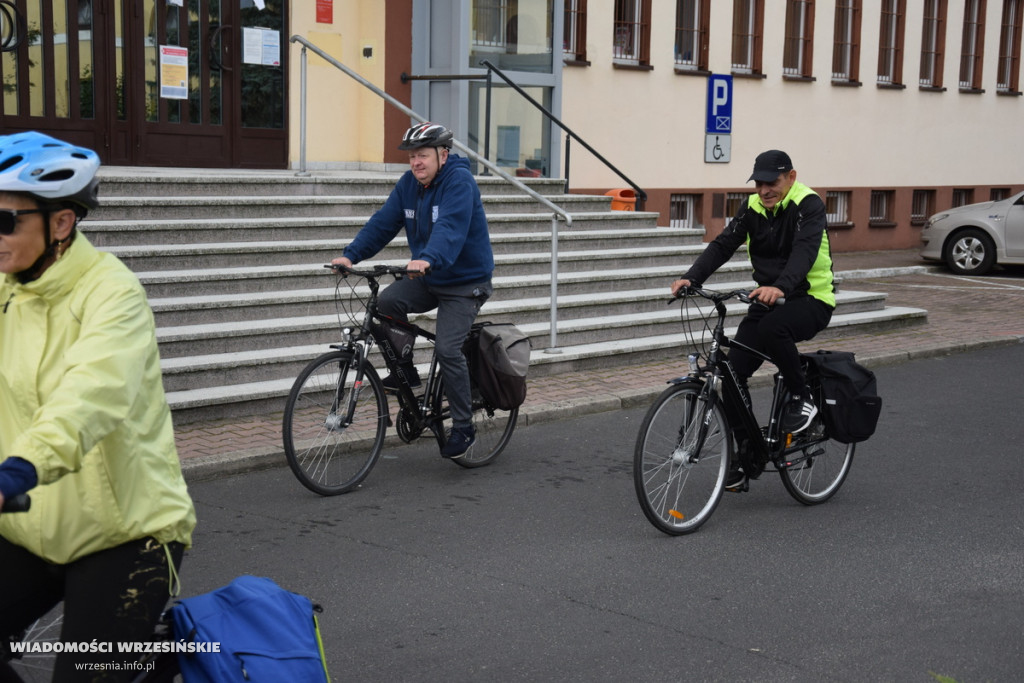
444	223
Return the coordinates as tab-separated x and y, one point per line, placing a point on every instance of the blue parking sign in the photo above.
719	119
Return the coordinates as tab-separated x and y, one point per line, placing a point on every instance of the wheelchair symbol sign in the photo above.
717	148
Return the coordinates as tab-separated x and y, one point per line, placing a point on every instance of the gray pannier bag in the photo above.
498	356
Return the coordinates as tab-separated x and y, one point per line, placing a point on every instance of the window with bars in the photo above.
683	210
691	48
747	33
998	194
890	43
933	41
881	208
490	17
574	41
837	208
972	47
734	201
962	196
922	205
846	42
798	45
1008	76
631	43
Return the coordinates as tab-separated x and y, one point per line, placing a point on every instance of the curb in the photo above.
867	273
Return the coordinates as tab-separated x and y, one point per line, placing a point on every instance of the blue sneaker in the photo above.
460	440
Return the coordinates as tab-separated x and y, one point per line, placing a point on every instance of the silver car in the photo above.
973	238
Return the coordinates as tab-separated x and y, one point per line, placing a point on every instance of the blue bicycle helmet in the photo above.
51	170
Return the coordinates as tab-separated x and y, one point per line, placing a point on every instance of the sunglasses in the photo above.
9	218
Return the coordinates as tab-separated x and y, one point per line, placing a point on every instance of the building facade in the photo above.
890	109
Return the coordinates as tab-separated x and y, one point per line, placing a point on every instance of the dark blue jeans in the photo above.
457	307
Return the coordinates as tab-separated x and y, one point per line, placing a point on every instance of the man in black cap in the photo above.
783	225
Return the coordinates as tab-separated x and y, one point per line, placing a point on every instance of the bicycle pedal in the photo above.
741	487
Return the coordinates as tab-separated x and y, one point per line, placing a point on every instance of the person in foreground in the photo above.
783	225
85	428
438	203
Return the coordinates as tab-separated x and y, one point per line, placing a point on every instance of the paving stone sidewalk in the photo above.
963	314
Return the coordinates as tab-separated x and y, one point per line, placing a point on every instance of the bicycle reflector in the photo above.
677	514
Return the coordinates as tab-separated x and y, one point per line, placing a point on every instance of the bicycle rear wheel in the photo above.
678	478
493	428
820	465
330	452
818	469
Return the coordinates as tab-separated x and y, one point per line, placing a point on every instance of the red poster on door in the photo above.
325	11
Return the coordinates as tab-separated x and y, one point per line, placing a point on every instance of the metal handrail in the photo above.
641	195
557	212
570	134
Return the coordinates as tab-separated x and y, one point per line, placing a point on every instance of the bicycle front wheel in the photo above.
818	469
331	440
493	428
679	476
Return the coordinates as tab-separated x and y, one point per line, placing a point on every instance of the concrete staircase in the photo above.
232	262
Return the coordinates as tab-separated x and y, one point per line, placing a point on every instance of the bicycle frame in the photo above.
360	343
768	444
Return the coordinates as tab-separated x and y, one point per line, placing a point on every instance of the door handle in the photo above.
215	51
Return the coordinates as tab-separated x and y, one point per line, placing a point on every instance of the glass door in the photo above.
180	86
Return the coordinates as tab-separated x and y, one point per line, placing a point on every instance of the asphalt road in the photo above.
542	567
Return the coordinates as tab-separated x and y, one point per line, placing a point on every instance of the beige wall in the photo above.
345	121
651	123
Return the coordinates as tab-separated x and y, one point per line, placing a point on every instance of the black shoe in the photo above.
798	415
734	479
412	376
460	440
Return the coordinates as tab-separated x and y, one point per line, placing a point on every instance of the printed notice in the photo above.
261	46
173	72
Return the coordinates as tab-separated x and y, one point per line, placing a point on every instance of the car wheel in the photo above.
971	252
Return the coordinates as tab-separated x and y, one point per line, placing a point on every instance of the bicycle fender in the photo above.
686	378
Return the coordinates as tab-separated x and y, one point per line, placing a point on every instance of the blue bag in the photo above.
262	632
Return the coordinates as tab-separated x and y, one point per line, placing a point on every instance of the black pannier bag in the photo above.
498	356
849	393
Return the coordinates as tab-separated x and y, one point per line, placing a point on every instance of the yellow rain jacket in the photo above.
82	399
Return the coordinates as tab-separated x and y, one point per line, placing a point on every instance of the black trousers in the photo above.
111	596
776	331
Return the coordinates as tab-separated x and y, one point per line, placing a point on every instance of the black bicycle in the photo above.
686	446
337	414
30	655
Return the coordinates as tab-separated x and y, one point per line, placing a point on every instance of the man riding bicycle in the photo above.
84	424
783	225
438	204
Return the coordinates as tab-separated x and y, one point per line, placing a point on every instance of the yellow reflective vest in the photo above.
788	246
82	399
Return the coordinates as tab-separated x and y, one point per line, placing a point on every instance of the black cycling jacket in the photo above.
788	247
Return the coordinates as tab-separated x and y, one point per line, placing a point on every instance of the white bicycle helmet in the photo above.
427	135
51	170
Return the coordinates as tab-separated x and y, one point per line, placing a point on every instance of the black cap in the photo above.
769	165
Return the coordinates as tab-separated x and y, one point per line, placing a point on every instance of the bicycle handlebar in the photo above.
718	297
20	503
375	272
